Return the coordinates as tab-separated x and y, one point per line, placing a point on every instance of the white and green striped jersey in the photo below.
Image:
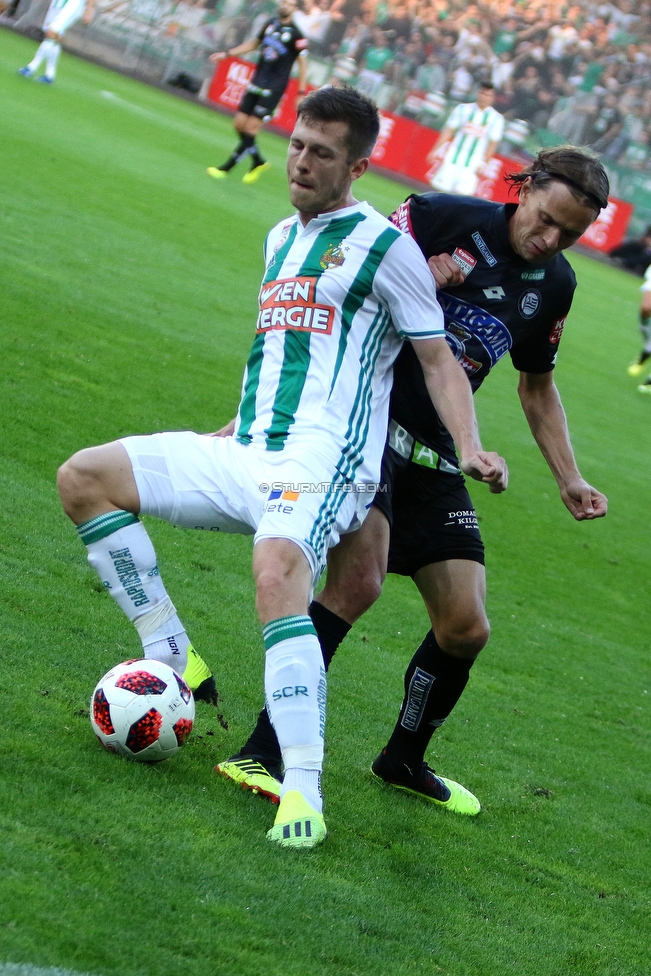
475	128
337	299
62	14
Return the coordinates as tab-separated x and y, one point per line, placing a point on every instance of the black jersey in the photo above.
504	305
280	45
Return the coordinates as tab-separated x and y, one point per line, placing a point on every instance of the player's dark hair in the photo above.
579	169
347	105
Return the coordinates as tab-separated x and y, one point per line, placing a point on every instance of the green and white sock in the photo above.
295	687
120	551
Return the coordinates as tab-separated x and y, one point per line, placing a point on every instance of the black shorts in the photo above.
431	515
260	103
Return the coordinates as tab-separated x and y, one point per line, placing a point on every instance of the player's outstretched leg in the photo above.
242	150
121	552
259	165
434	682
51	60
258	764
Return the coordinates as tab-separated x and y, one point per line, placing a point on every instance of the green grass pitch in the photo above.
129	283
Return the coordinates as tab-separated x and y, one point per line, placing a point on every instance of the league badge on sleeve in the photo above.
464	259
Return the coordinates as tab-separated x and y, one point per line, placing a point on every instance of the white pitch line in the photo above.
196	130
26	969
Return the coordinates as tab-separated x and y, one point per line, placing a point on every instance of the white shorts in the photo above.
452	178
217	484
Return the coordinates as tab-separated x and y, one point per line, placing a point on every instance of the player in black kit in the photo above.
280	43
504	287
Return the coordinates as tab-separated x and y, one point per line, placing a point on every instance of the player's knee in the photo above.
350	596
464	637
281	572
77	482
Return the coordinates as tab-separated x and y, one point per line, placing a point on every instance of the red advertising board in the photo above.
403	147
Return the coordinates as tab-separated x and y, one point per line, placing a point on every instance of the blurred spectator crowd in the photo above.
579	70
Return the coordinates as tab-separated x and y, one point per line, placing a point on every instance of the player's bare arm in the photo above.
451	395
244	48
545	415
440	144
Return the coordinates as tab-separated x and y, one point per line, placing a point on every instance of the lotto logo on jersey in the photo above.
289	304
557	331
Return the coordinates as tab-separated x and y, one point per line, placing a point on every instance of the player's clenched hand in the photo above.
217	57
446	271
583	501
489	467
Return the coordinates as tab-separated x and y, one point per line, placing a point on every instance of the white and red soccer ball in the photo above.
142	710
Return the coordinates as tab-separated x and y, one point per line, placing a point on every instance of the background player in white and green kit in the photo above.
342	287
468	142
61	15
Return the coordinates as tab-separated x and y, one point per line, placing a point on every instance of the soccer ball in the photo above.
142	710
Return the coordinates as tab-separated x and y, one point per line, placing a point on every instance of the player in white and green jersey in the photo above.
341	288
333	311
61	15
468	142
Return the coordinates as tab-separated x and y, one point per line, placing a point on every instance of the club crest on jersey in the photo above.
289	304
464	259
333	257
557	331
529	303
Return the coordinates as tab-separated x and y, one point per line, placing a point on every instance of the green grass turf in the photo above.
129	282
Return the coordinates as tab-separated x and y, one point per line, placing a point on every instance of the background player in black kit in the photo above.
280	43
504	287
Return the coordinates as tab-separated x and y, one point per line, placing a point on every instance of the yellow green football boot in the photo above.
424	782
254	174
297	824
200	678
251	773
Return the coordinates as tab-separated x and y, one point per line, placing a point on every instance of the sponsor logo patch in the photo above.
287	496
483	249
529	303
419	689
289	304
557	331
536	275
466	518
278	499
466	323
465	260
